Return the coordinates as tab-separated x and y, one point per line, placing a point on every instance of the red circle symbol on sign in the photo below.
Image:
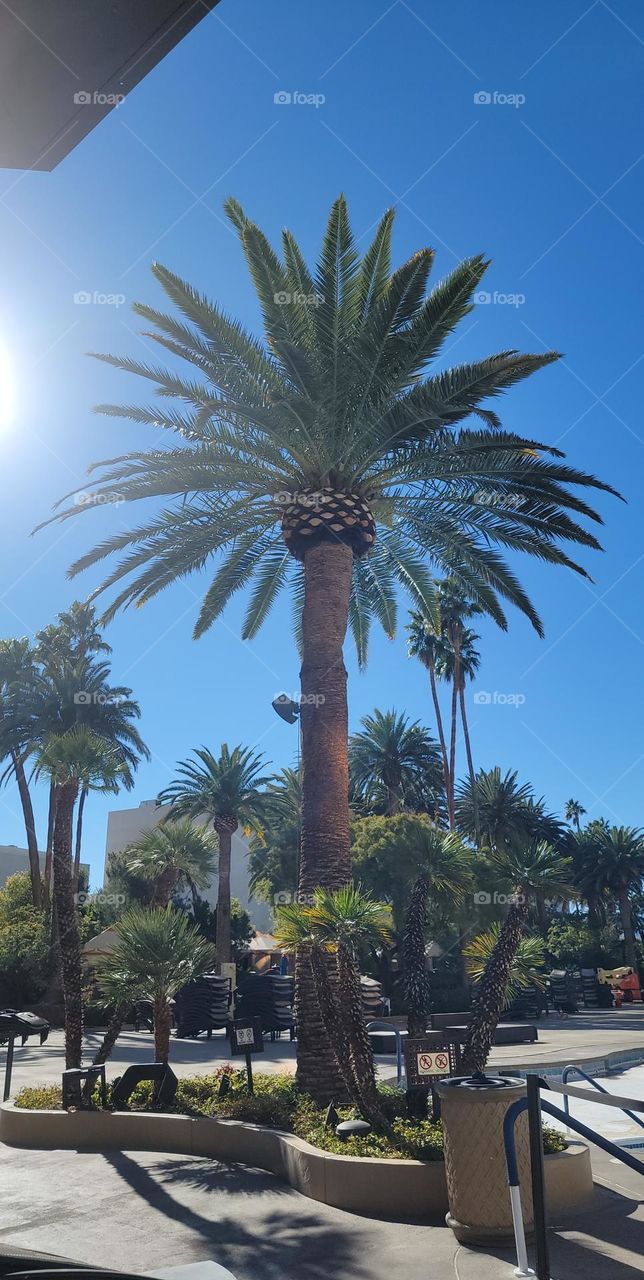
442	1061
425	1062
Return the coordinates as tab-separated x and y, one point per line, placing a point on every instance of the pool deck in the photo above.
599	1041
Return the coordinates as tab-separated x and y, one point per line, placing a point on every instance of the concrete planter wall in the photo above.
385	1188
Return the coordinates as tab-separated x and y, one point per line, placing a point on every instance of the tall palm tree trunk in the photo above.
455	638
470	767
223	947
162	1025
351	1014
67	925
415	979
325	850
30	828
51	818
626	916
79	836
439	727
490	998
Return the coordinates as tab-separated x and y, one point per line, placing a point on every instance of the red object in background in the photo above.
631	983
618	997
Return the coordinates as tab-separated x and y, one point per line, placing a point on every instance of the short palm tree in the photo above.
446	877
574	812
527	965
339	923
530	869
173	855
225	790
69	760
325	456
397	760
158	951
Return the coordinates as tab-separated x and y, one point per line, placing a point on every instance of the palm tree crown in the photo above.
396	762
170	853
330	429
224	787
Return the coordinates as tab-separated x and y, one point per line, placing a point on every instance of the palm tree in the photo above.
225	789
530	868
426	643
18	678
446	876
158	951
325	456
618	857
339	923
454	608
469	660
274	850
395	759
574	812
170	853
527	965
69	760
502	805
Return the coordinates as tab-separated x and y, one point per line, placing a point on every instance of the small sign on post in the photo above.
427	1059
246	1038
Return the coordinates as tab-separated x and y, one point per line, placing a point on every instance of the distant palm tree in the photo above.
574	812
170	854
399	760
469	660
615	865
454	608
70	760
18	680
530	868
325	457
426	643
503	807
225	789
274	850
158	951
339	923
446	876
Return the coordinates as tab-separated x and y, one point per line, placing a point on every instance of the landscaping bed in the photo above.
278	1104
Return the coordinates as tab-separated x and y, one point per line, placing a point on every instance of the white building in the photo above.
125	825
14	859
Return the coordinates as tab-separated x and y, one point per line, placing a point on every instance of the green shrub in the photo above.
25	954
278	1104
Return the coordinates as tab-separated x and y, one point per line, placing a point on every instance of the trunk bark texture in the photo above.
67	925
490	998
30	828
224	828
470	768
79	837
162	1025
325	848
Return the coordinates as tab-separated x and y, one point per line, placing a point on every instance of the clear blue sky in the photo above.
552	189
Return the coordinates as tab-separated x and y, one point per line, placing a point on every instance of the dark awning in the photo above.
65	63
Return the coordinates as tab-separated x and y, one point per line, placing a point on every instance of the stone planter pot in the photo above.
472	1115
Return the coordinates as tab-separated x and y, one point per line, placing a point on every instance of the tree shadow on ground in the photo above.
289	1243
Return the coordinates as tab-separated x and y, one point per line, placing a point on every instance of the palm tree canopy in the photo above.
81	756
337	398
614	858
390	853
534	867
573	811
191	850
347	916
469	657
508	811
274	849
390	754
222	787
526	964
158	952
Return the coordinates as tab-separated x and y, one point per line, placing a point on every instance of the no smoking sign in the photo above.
427	1057
432	1064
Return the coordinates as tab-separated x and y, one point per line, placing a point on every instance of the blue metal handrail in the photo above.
379	1027
599	1087
509	1121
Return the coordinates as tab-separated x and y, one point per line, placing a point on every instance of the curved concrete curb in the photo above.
384	1188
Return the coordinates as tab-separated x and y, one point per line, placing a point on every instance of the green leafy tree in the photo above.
158	951
327	457
25	954
225	789
18	682
395	764
274	849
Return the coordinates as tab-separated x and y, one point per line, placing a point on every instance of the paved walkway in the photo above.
138	1211
585	1038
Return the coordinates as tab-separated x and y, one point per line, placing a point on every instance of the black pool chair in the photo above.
268	997
203	1005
